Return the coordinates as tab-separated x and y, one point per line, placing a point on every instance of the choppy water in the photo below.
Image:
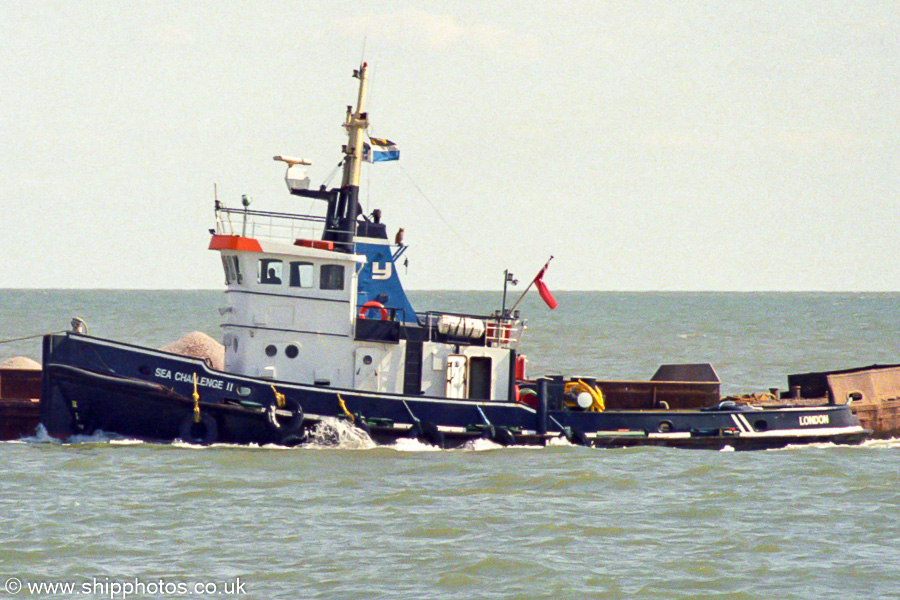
753	340
406	522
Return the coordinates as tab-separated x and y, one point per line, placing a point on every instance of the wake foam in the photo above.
332	433
412	445
880	443
40	437
559	441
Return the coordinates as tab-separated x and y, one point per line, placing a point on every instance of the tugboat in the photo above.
317	326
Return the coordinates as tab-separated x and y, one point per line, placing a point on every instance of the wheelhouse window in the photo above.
301	275
229	274
269	271
331	277
232	269
236	266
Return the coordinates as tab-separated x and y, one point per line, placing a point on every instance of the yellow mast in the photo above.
356	124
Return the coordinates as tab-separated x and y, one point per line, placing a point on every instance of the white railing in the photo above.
268	225
503	333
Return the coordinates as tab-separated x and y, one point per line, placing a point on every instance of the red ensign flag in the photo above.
546	296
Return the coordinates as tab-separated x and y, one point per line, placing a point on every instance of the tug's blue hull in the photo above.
91	384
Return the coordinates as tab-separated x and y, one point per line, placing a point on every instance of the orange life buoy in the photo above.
372	304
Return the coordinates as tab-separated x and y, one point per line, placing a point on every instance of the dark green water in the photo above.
559	522
407	522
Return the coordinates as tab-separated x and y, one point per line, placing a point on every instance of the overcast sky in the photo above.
646	145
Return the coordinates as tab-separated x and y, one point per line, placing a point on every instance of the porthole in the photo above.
291	351
760	425
367	360
271	350
243	390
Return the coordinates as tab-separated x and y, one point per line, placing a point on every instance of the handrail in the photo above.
273	225
267	213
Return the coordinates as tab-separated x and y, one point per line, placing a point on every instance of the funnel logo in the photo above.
382	270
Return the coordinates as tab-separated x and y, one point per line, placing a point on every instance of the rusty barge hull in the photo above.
873	393
20	392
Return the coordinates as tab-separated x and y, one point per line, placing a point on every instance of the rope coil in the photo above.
279	397
196	397
598	403
344	408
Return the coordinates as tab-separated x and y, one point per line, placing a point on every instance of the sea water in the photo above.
116	518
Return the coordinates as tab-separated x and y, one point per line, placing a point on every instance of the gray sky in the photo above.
647	145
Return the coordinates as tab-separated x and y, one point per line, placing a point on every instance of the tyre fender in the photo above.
282	423
203	432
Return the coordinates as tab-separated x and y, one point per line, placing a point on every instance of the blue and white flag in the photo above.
380	150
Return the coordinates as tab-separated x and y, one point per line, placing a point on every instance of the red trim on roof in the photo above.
320	244
234	242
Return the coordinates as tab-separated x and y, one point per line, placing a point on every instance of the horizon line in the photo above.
480	290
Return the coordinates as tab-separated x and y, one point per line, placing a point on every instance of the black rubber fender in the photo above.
427	433
504	437
432	435
282	424
415	432
578	437
204	432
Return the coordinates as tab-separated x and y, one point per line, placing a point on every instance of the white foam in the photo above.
40	437
879	443
868	444
412	445
179	443
100	437
337	433
125	442
792	447
559	441
484	444
480	445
